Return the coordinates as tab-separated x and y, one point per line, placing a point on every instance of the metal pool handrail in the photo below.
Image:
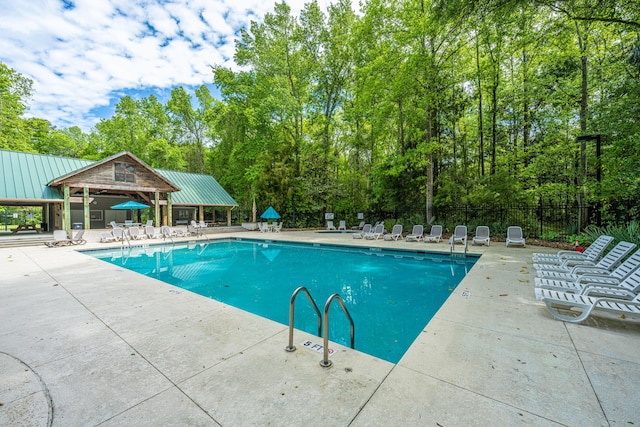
325	362
292	347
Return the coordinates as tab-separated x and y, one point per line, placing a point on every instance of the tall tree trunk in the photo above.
494	119
480	127
584	100
401	128
526	113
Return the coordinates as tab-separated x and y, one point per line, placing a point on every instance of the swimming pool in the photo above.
391	295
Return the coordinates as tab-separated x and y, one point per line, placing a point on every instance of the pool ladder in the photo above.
458	254
325	362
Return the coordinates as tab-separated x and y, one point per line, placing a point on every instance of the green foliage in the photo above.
15	91
629	232
550	236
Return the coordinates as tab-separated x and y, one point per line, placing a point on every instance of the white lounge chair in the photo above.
514	236
202	224
60	238
118	233
193	231
342	225
330	225
171	232
180	232
459	235
149	223
604	266
365	230
151	232
134	233
396	233
585	304
435	235
482	236
376	233
416	234
166	232
592	253
78	239
107	236
359	226
624	277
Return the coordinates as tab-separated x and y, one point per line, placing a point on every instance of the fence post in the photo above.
540	217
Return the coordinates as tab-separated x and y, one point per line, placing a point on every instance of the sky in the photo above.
84	55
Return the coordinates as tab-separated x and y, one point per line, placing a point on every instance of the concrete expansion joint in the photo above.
16	368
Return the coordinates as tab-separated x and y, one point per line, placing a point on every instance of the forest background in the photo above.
403	111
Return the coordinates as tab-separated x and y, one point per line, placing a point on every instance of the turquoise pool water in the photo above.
391	295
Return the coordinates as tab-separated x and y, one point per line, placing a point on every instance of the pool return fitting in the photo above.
325	362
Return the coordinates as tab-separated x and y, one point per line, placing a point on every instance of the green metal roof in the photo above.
24	177
196	189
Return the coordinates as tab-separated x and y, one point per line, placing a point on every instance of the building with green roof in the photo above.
77	193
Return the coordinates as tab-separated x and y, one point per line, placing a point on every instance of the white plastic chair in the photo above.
514	236
482	236
396	233
459	235
376	233
618	304
435	235
366	229
416	233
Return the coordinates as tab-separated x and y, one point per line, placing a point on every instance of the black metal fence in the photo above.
548	222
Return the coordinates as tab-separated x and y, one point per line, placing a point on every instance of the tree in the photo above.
192	125
15	91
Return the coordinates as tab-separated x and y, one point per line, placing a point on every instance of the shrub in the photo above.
627	233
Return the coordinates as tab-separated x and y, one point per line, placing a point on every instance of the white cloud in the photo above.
87	56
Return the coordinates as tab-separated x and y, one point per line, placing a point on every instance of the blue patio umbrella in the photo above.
130	204
270	213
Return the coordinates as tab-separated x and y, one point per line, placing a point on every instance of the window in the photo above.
124	172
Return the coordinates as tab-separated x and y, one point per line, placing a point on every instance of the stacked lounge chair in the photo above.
585	303
566	257
604	266
589	282
617	279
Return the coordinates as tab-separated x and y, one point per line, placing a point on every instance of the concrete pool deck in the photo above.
83	342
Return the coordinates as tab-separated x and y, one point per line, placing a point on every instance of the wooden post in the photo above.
157	210
169	211
87	209
66	211
228	215
57	217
